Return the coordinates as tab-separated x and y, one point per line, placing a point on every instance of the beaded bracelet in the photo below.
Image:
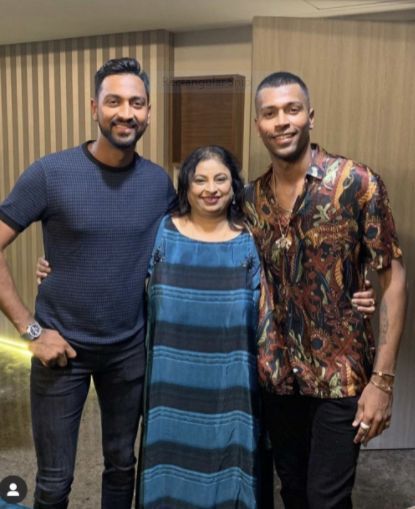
385	388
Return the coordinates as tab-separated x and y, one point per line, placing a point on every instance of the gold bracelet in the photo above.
382	374
385	388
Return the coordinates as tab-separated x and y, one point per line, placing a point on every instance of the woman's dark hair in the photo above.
188	168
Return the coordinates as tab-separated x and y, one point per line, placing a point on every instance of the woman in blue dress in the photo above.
200	446
201	421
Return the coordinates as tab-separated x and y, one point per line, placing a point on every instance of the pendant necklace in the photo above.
283	242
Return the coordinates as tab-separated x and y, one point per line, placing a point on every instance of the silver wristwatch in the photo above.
33	331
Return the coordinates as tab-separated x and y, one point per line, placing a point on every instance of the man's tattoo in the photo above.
384	323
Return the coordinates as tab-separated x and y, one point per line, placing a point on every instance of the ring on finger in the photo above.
364	426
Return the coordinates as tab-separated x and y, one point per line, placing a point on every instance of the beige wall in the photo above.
45	91
360	76
210	52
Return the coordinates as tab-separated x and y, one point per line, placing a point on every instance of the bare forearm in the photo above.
49	347
10	302
374	408
391	316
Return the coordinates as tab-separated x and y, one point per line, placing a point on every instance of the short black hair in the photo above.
188	168
123	65
280	78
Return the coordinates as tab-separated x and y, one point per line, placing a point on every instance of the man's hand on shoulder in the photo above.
51	349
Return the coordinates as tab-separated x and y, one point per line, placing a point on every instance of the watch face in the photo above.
34	330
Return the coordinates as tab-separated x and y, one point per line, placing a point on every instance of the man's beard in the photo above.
118	141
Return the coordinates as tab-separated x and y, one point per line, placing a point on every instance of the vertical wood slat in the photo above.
145	142
9	145
40	99
75	91
63	55
53	104
137	43
45	91
360	76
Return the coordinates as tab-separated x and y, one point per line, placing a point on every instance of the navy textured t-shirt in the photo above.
99	225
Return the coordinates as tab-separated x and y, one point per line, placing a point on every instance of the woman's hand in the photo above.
365	301
42	269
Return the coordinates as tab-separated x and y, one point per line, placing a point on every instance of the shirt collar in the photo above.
317	168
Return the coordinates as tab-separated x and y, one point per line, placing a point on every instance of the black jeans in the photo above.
314	453
57	400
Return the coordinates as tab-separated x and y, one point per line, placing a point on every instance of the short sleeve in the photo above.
251	216
380	239
255	276
27	201
159	248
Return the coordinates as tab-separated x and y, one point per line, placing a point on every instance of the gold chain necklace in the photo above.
283	242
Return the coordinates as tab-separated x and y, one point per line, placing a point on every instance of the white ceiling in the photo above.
38	20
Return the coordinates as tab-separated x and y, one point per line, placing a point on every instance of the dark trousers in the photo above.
313	449
57	400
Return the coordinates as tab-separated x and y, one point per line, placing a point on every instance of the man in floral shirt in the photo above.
319	221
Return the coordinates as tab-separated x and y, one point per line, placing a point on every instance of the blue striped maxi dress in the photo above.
201	424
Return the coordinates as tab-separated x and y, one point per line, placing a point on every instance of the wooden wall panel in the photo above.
360	76
45	91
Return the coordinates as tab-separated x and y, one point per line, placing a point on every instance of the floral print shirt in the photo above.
312	341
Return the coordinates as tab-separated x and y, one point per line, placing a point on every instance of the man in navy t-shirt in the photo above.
100	205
